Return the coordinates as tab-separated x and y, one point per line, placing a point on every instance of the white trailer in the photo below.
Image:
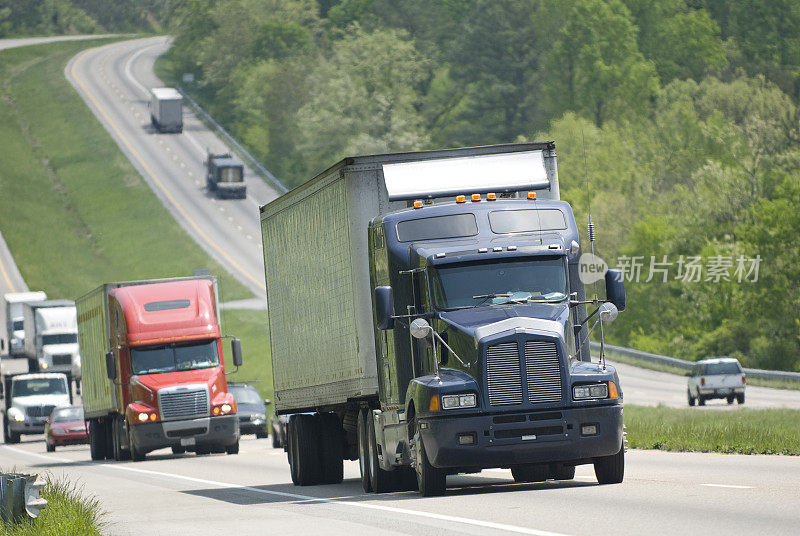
13	338
51	344
166	109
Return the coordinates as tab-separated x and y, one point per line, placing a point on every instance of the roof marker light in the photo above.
532	196
476	198
497	248
483	250
461	198
491	197
439	255
417	204
512	248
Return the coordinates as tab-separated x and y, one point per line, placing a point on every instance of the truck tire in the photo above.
431	481
136	454
331	448
380	480
740	399
97	440
531	472
291	448
610	469
33	365
363	451
232	449
560	471
117	429
180	449
307	459
729	399
692	399
11	437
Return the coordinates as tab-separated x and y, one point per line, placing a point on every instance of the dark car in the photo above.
252	409
65	426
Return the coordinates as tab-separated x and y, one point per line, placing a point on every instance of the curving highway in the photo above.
114	80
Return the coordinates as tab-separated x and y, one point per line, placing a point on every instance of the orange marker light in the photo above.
434	404
153	417
612	390
215	411
476	198
461	198
417	204
532	196
491	197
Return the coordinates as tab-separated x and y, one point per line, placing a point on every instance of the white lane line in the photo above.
197	145
310	498
732	486
129	74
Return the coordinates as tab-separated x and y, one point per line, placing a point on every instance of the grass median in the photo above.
739	431
69	512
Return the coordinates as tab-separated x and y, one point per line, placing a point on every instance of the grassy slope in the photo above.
744	431
74	211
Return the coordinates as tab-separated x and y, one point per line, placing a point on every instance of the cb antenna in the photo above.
591	244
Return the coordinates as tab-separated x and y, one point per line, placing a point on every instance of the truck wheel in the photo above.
291	448
97	440
180	449
610	469
380	480
701	400
11	436
232	449
363	451
331	448
33	365
431	481
530	473
740	399
136	454
117	429
730	399
692	399
560	471
307	433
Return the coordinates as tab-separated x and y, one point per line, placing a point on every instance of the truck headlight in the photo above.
467	400
16	414
583	392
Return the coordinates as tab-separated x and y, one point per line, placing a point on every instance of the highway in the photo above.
250	493
114	80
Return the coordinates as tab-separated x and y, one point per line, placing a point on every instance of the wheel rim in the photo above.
361	453
371	453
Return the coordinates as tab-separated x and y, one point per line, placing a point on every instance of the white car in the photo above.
718	377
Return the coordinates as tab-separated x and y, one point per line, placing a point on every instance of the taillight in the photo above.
702	381
743	380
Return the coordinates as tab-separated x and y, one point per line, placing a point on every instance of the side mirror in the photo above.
236	348
420	328
111	366
615	288
608	312
267	401
384	307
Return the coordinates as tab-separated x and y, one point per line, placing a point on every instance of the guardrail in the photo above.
684	364
19	497
255	164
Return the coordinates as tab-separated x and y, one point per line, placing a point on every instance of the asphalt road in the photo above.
114	80
250	493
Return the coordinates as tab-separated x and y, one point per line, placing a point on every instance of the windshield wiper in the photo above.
484	297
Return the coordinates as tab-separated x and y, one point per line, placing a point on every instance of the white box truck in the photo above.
51	342
13	341
166	109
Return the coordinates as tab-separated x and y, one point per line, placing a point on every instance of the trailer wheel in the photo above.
363	451
331	448
530	473
431	481
291	450
610	469
307	460
97	440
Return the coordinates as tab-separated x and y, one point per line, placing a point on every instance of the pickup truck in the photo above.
29	400
718	377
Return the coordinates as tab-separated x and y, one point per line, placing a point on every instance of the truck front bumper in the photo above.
27	426
231	192
213	431
532	437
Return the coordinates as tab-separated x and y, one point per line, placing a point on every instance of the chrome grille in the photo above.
503	375
191	402
543	372
39	411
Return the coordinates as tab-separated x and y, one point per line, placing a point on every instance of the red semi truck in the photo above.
154	375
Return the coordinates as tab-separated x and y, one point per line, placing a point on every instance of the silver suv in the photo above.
718	377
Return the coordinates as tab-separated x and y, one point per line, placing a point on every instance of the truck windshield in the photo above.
231	174
60	338
174	357
499	281
17	325
39	386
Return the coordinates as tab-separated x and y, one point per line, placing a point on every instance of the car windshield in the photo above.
174	357
68	414
39	386
499	281
246	395
60	338
723	368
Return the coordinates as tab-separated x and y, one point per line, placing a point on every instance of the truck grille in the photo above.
503	376
184	403
39	411
504	373
62	359
543	371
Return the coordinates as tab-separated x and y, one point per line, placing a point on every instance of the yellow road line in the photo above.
153	176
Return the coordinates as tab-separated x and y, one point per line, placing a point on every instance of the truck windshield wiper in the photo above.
484	297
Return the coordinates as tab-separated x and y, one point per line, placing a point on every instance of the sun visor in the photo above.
507	172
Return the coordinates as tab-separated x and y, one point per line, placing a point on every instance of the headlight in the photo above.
16	414
467	400
582	392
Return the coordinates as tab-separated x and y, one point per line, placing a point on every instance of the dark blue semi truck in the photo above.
427	317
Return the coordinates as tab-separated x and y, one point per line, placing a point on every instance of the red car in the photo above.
65	427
